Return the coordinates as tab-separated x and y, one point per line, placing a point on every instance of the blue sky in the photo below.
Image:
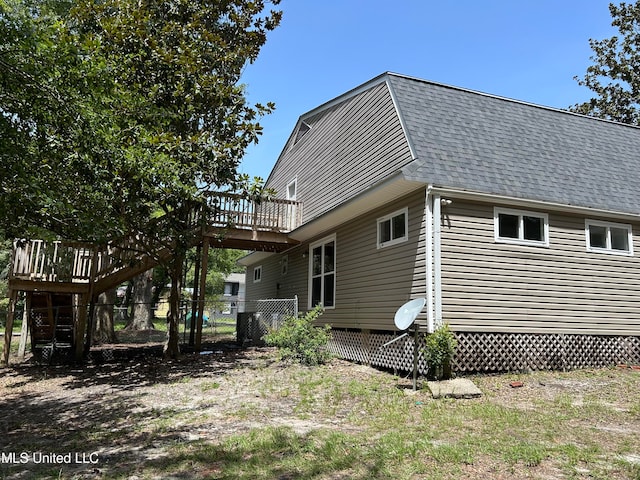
528	50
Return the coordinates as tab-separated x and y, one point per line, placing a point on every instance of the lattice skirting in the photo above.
492	352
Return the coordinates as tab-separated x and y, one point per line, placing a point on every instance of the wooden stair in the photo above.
51	273
51	321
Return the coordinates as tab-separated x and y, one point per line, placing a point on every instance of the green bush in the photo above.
440	347
299	340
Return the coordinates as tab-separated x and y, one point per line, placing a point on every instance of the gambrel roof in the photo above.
395	134
483	143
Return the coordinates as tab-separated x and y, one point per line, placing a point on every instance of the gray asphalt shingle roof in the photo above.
473	141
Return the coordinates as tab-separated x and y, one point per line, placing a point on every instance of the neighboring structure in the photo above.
518	223
232	300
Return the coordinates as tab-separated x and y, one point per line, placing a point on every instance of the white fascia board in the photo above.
391	188
253	258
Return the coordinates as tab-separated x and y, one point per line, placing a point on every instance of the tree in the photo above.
142	308
103	327
50	178
118	116
5	256
615	75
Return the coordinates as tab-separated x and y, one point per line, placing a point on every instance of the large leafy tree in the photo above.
117	117
51	177
615	74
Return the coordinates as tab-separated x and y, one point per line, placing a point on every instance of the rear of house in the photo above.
517	223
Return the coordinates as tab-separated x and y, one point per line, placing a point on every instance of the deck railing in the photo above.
60	261
51	261
266	215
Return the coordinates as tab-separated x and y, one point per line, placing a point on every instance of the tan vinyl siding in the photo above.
349	147
294	282
266	287
496	287
371	283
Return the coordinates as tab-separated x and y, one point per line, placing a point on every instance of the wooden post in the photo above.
81	327
195	298
24	333
201	293
90	320
87	326
8	332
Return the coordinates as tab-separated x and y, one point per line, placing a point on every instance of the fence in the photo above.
257	316
260	316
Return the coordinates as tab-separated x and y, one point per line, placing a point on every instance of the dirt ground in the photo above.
55	408
114	411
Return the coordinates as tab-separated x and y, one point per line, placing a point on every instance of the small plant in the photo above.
299	340
440	347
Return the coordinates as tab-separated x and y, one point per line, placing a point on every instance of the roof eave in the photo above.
464	194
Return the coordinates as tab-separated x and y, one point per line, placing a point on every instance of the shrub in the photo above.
299	340
440	347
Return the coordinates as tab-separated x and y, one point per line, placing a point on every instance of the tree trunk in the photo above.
171	347
103	327
141	310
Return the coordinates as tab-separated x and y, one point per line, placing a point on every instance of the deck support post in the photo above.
91	300
8	332
81	327
201	291
24	332
195	297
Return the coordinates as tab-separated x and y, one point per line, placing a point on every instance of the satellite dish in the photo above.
407	313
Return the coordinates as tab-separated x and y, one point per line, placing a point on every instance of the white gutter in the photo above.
429	258
539	204
437	260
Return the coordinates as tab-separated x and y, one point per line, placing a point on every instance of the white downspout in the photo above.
429	258
437	260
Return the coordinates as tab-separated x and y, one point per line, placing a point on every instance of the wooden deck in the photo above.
84	269
69	267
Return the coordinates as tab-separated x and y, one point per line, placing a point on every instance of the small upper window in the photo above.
517	226
257	274
393	228
302	131
292	189
608	237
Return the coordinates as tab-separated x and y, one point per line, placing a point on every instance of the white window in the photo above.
521	227
257	274
231	288
608	237
302	131
322	273
393	228
292	189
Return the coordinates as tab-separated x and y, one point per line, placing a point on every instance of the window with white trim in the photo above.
322	273
292	189
520	227
393	228
303	129
608	237
257	274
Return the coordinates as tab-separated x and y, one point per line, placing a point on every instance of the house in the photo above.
520	225
232	299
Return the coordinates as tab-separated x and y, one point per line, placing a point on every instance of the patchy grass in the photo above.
240	414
